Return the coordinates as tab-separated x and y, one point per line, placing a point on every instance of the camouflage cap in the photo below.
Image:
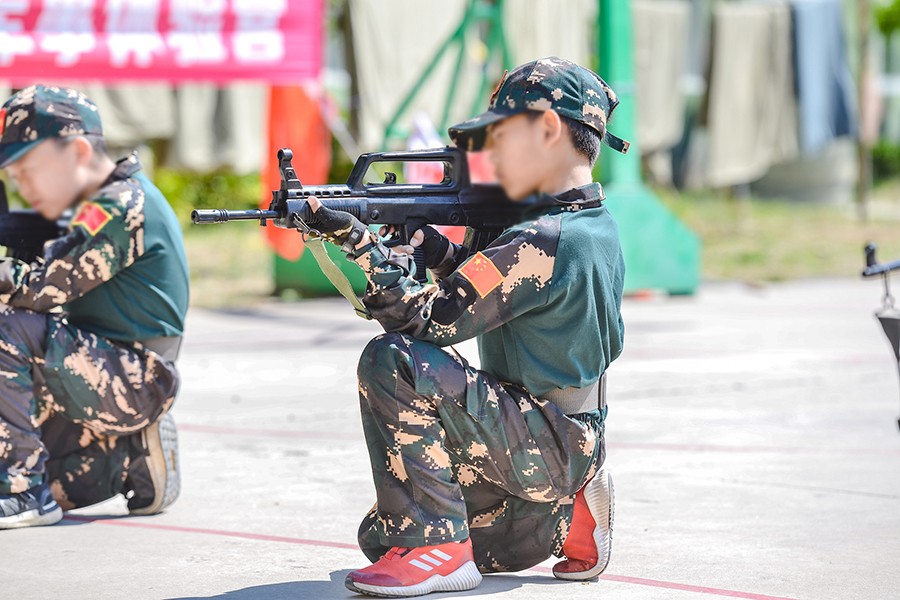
547	83
40	112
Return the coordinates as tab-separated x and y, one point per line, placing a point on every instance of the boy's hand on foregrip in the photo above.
336	226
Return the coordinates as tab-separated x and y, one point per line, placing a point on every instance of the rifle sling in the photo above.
335	275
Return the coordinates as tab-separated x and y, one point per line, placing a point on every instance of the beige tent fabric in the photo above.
244	114
393	42
538	28
752	113
660	56
395	39
193	146
207	127
219	127
134	113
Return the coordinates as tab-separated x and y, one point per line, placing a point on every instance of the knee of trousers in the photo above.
24	329
384	356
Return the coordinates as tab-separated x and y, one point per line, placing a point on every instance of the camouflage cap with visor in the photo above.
40	112
548	83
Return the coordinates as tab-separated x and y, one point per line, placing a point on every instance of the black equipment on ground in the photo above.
888	315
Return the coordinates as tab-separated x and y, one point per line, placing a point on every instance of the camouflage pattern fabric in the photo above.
84	467
41	112
75	386
86	391
494	286
550	83
457	454
553	282
105	237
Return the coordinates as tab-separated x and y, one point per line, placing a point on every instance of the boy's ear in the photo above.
83	149
553	125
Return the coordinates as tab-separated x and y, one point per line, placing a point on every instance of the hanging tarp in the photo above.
279	41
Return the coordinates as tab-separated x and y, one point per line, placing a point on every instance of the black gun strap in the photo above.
335	275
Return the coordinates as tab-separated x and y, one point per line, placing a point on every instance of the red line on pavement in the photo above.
319	435
750	449
222	532
673	447
699	589
290	540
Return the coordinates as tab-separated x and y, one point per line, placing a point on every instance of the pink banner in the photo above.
278	41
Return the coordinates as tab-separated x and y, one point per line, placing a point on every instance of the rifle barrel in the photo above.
220	215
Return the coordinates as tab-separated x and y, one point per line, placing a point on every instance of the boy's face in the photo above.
49	177
515	147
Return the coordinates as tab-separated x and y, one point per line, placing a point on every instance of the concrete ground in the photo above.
752	438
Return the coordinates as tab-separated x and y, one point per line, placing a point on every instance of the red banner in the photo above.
278	41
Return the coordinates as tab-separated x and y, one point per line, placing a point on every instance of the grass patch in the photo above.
769	240
230	265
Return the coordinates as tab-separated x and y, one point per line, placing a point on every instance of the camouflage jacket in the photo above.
119	272
543	299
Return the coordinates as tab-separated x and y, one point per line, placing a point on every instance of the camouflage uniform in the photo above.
497	454
457	452
76	380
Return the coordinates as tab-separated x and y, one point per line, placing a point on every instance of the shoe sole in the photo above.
161	439
466	577
601	502
33	518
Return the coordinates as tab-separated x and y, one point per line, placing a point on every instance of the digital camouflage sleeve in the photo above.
106	236
510	277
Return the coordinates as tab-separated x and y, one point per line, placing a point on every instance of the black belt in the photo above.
165	346
579	400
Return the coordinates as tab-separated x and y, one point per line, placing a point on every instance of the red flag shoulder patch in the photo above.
2	120
92	217
482	274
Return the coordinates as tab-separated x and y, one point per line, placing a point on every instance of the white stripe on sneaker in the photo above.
464	578
418	563
432	560
440	554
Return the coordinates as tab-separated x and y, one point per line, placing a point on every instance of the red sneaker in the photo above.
406	572
589	543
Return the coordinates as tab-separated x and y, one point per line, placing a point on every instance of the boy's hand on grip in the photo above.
435	246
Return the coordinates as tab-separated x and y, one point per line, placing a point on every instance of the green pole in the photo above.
660	252
616	48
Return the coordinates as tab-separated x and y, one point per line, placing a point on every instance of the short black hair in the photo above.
585	139
98	143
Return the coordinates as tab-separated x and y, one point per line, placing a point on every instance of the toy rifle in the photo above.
24	232
483	209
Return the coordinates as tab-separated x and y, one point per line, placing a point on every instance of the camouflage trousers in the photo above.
455	454
71	403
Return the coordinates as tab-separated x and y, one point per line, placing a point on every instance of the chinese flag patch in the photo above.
92	217
482	274
2	120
